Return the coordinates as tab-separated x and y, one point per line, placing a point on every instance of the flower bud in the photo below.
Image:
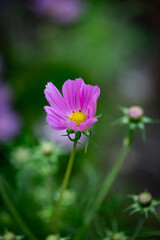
20	156
119	236
9	236
52	237
145	198
110	235
47	148
135	112
69	198
144	204
134	117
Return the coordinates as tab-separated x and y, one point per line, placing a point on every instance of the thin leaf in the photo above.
86	146
98	116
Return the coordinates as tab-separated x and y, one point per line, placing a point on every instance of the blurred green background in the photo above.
112	44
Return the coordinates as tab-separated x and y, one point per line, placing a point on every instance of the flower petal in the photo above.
89	97
92	106
55	120
57	114
55	99
87	124
72	93
72	125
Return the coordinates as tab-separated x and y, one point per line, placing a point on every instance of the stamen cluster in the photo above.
78	117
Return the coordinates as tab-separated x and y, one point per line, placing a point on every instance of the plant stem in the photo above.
14	211
109	180
138	229
107	184
64	185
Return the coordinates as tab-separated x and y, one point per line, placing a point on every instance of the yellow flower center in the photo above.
77	117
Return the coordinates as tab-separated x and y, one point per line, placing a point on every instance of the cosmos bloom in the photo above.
62	11
10	122
76	109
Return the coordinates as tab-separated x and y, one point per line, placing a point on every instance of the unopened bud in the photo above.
115	235
52	237
21	155
47	148
135	112
145	198
9	236
119	236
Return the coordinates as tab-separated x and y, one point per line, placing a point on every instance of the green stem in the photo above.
110	179
107	184
138	229
14	211
64	185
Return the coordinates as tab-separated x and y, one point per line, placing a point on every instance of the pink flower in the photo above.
10	121
75	109
10	124
61	11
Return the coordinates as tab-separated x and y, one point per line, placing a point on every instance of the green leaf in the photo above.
86	146
98	116
87	133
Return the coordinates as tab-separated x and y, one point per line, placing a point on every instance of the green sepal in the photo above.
149	120
155	202
133	197
121	121
69	131
77	136
124	110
